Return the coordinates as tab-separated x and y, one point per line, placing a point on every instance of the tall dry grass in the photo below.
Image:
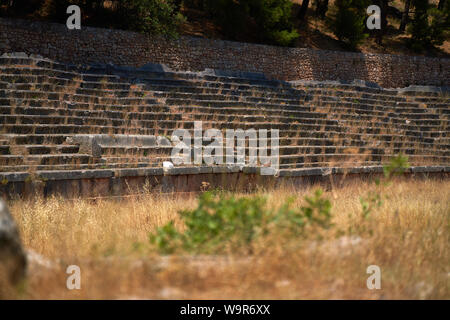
408	237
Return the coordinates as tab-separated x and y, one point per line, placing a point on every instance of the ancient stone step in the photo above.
283	150
10	160
89	113
36	129
390	98
52	159
101	90
290	159
166	80
298	161
55	124
72	129
49	149
44	104
221	104
78	166
4	150
299	117
41	139
340	87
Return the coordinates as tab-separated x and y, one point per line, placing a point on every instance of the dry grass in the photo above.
408	237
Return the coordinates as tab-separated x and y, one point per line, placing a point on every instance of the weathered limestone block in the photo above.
13	260
92	143
88	144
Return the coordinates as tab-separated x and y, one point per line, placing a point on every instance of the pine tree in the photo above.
303	10
272	19
428	26
348	21
405	16
321	8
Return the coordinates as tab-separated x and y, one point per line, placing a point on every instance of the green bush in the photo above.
225	222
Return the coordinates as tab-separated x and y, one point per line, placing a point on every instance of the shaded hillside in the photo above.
315	33
245	21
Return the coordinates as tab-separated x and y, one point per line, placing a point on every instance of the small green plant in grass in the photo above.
220	222
369	202
374	199
397	166
318	210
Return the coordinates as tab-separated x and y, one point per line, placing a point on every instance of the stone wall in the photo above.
105	183
94	45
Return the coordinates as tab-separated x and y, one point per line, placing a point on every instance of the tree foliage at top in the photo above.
146	16
321	8
270	19
348	21
429	25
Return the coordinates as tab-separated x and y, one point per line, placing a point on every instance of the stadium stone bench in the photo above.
75	126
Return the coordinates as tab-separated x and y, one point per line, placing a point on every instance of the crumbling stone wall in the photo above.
95	45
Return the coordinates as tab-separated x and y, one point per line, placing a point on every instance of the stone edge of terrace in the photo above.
111	69
55	175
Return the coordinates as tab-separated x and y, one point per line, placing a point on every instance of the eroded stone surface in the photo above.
12	257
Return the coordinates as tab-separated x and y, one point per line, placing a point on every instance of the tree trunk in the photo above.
177	4
405	16
303	9
322	8
441	4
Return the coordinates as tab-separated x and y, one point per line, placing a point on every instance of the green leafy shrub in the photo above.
221	222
